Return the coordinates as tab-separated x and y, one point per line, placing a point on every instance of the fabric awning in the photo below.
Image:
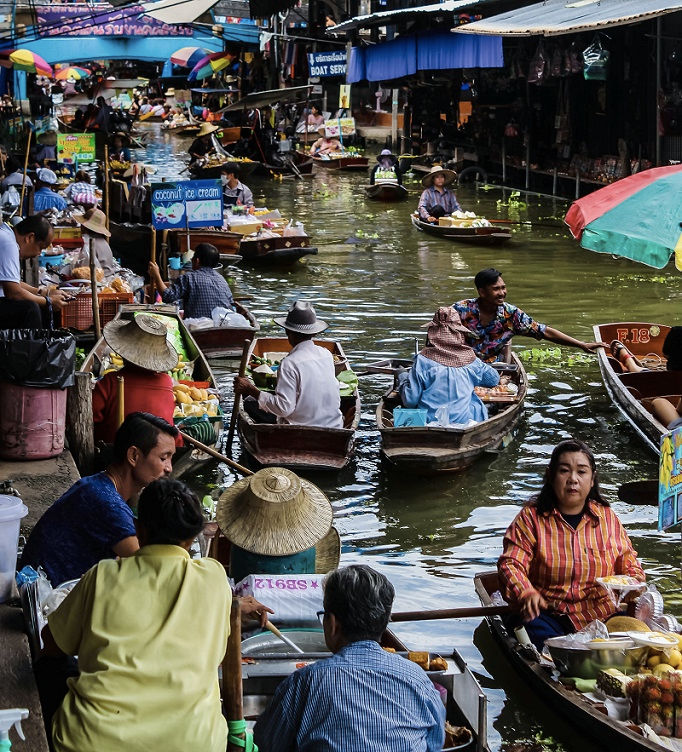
174	12
266	98
555	17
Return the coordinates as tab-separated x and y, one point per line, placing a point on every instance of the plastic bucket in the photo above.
175	262
12	510
32	422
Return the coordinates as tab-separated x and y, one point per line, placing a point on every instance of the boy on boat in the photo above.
437	200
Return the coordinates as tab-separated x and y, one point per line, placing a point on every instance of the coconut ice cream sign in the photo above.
189	203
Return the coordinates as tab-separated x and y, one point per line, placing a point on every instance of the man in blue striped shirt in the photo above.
362	698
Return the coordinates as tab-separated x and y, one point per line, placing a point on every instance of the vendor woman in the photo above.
437	200
559	544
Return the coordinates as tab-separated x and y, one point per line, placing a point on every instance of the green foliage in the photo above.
514	202
80	357
367	235
554	356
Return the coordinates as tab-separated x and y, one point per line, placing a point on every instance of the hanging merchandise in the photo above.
555	66
537	72
596	61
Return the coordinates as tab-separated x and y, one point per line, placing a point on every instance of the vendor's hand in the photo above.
431	219
531	605
153	270
244	387
58	299
252	610
591	347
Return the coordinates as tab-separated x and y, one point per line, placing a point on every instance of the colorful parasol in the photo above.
209	65
72	71
188	57
638	218
28	61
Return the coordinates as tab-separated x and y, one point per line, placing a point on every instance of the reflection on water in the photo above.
431	535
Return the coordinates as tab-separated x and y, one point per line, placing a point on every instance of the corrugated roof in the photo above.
392	16
555	17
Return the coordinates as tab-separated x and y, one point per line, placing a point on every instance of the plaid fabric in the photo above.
446	340
543	552
199	292
492	338
431	197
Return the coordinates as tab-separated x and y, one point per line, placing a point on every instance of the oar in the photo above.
526	222
209	450
451	613
639	492
237	397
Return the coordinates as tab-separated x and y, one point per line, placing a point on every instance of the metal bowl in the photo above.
586	663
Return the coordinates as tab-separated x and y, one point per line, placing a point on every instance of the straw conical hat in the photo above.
274	513
328	552
450	175
95	220
206	129
141	340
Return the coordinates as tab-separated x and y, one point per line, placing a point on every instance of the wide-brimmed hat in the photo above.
274	513
328	552
303	319
46	176
446	344
95	220
142	340
387	153
450	175
206	129
48	138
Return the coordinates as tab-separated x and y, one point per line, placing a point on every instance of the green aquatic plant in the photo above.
553	355
513	202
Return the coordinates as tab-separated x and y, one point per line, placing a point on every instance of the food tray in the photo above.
77	314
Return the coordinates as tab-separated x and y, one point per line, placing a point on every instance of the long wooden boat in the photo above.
289	163
431	449
300	446
632	393
589	717
342	164
242	169
185	459
227	342
494	235
388	192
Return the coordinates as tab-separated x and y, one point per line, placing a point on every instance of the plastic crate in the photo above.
77	314
63	233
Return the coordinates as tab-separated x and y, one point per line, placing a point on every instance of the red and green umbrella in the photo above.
72	71
638	218
209	65
188	57
28	61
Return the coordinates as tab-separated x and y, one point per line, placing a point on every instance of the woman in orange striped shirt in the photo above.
559	544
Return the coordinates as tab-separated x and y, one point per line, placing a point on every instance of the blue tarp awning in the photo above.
427	51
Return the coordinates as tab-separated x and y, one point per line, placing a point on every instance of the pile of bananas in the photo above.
192	402
116	165
183	371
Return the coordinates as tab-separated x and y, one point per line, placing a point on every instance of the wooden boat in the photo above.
185	459
227	342
633	393
242	169
288	163
386	192
300	446
342	163
589	717
472	235
430	449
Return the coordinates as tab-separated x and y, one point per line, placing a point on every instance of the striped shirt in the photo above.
362	698
199	292
543	553
431	198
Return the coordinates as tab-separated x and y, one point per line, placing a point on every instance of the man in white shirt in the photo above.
307	392
22	306
234	191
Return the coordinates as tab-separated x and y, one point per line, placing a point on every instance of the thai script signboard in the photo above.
326	64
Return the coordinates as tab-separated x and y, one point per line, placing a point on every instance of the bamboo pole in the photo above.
451	613
237	397
232	676
152	256
106	184
23	179
217	455
121	400
93	285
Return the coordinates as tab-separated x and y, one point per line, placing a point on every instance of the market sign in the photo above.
188	203
339	127
75	148
670	480
326	64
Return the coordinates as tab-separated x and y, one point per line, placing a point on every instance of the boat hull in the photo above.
342	164
222	342
389	192
284	251
242	169
468	235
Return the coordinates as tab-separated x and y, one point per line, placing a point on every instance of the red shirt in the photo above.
144	391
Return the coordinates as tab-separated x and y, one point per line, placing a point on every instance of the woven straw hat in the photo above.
274	513
95	220
302	318
328	552
206	129
450	175
141	340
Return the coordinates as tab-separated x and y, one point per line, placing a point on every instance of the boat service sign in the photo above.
76	148
188	203
326	64
670	480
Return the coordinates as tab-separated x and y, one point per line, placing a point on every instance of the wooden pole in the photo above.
232	674
152	256
93	285
237	397
23	179
121	400
106	184
209	450
79	424
164	253
451	613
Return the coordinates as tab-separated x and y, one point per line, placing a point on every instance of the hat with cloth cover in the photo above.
450	175
206	130
274	513
303	319
95	220
46	176
141	340
446	343
387	153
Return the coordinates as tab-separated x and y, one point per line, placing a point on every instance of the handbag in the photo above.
596	61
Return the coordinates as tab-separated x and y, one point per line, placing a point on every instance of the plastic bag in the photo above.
44	358
596	61
537	72
10	200
227	319
293	229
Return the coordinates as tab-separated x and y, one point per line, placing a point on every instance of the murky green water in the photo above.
430	536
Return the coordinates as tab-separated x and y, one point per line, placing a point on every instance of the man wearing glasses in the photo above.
362	697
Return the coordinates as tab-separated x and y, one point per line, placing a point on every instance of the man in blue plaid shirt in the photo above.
200	291
362	698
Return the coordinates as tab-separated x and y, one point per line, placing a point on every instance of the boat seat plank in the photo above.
653	383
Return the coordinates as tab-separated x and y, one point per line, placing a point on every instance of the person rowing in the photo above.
437	200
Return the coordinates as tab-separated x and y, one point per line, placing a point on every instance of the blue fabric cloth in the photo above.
357	65
443	50
200	291
44	199
392	59
431	385
79	529
362	698
543	627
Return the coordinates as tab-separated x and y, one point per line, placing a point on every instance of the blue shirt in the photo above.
79	529
200	291
362	698
431	198
432	385
44	199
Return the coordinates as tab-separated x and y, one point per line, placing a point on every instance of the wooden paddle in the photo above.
237	397
209	450
451	613
639	492
232	674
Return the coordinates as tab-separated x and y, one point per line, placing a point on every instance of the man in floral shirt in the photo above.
493	321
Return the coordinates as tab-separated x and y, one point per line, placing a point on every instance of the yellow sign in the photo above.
343	126
344	96
75	148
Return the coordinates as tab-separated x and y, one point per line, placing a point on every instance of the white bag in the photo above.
295	598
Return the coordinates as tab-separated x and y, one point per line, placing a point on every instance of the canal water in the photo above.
377	280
